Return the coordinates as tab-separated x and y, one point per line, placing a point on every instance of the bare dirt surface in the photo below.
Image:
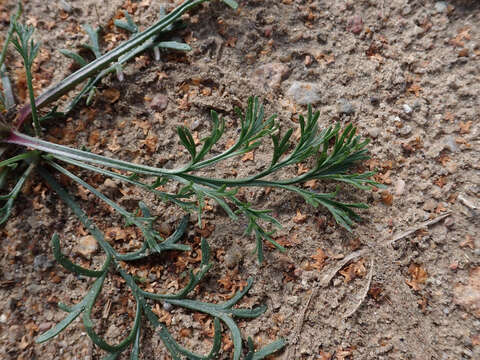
406	73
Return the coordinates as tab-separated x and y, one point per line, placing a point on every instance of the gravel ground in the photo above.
406	73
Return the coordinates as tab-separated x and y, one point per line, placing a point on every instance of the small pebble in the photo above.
406	10
337	282
3	318
164	228
449	222
167	306
119	73
345	107
451	167
304	93
355	24
251	57
405	130
374	132
156	53
429	205
87	246
450	143
41	263
267	31
15	333
65	6
407	109
399	187
195	124
270	75
417	105
109	183
304	350
322	38
232	257
284	58
441	6
45	326
292	300
159	102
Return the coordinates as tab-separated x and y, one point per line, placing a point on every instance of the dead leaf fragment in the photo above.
342	354
302	169
449	116
468	295
111	95
319	258
151	142
375	291
116	233
354	270
325	356
185	332
299	218
463	34
465	127
414	89
231	42
387	198
24	343
94	138
468	242
249	156
312	184
441	181
285	241
418	276
164	316
463	53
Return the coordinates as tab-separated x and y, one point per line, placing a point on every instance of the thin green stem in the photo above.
14	159
11	28
105	60
36	123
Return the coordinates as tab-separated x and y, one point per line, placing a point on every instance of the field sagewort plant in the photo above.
332	151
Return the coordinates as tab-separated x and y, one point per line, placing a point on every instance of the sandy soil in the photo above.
406	73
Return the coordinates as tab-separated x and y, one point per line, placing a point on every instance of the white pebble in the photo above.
87	246
304	93
407	109
450	143
441	6
399	187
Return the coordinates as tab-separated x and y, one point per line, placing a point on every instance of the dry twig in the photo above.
418	227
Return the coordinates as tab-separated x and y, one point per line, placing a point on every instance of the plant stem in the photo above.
36	123
105	60
9	34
